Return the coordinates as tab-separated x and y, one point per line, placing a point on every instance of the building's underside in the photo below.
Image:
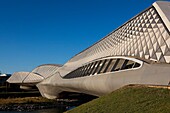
138	52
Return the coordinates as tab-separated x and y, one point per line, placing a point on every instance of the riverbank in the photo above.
28	104
12	99
39	103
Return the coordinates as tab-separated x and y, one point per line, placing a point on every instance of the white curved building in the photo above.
138	52
35	76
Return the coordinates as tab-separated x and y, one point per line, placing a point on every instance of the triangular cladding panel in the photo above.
146	35
33	78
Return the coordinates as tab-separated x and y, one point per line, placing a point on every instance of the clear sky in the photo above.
35	32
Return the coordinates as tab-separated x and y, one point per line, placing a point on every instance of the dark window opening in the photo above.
124	65
92	68
115	65
88	67
136	65
107	66
97	66
119	65
85	69
103	66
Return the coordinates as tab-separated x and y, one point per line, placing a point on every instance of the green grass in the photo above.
139	99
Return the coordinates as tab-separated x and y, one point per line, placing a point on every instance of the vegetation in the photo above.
25	100
27	104
138	99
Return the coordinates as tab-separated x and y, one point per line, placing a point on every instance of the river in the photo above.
52	110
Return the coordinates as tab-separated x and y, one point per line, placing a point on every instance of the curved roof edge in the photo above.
59	65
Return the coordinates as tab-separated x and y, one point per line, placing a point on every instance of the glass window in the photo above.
116	63
76	72
89	70
86	72
111	64
71	74
124	64
92	69
119	64
81	71
136	65
110	60
105	65
101	66
128	65
96	67
85	68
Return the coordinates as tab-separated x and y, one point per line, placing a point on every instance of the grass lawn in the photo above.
129	99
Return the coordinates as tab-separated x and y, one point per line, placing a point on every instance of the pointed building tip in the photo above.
161	2
163	9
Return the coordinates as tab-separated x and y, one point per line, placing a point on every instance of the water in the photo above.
52	110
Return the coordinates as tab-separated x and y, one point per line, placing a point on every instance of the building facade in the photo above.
138	52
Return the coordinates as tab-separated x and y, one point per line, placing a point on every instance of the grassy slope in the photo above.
129	99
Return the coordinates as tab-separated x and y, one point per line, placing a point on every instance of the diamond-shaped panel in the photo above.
143	36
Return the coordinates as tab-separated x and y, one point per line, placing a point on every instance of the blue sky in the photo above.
35	32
